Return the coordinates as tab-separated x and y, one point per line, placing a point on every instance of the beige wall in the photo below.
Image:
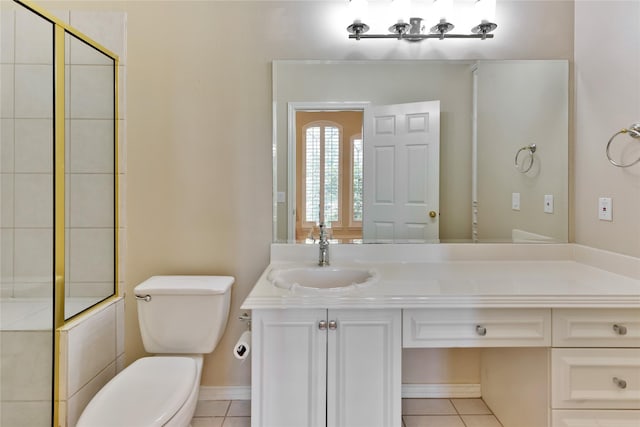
198	196
607	99
512	115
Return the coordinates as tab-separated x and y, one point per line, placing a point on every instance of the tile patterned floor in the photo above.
415	413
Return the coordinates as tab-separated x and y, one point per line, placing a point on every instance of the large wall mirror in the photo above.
447	151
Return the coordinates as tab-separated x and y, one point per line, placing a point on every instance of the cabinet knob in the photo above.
333	325
322	325
620	329
620	382
481	330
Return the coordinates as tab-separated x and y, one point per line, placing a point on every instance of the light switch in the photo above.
605	209
548	203
515	201
281	196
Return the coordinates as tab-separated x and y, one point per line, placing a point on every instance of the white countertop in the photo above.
466	284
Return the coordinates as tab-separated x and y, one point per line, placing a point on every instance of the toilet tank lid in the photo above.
184	285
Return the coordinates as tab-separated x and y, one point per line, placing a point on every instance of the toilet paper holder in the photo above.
245	317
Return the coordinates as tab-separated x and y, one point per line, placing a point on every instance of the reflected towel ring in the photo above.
634	132
532	149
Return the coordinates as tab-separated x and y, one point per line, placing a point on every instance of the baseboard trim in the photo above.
225	393
424	391
446	391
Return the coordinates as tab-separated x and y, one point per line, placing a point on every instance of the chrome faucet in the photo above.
323	244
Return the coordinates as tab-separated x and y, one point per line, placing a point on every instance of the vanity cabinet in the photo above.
595	367
318	367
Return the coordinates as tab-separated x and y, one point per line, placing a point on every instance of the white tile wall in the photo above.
91	87
33	148
33	258
7	92
91	146
33	91
6	257
7	25
27	414
34	38
33	200
6	210
91	198
92	352
91	347
94	349
107	28
91	257
26	366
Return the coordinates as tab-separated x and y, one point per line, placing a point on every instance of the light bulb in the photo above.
485	11
358	10
400	10
442	10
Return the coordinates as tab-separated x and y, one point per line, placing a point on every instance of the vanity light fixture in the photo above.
439	11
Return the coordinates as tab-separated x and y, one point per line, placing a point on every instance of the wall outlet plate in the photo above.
605	209
515	201
548	203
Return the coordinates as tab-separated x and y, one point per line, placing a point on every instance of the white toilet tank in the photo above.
183	314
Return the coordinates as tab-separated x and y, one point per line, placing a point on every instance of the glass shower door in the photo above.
27	219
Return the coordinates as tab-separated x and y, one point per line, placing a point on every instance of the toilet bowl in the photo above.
181	318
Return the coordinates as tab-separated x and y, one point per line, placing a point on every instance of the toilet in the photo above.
181	318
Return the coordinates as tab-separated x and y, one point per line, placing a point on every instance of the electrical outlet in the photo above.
548	203
605	209
515	201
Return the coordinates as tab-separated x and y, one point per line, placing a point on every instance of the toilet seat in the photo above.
147	393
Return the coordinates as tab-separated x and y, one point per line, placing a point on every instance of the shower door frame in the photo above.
60	29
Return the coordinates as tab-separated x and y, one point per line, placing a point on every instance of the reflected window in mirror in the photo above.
329	158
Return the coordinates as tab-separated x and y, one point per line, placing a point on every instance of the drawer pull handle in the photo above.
333	325
322	325
620	382
620	329
481	330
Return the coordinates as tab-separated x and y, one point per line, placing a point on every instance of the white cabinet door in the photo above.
317	368
364	368
289	358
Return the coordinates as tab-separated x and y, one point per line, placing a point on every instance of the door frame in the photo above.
292	108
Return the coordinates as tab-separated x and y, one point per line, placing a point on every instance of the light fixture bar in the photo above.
415	30
411	37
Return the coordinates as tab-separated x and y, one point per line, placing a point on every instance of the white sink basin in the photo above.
322	279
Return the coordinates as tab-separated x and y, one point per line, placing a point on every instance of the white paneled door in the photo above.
401	172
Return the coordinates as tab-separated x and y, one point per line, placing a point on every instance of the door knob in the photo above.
433	214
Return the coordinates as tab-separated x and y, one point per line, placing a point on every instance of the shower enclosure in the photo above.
59	182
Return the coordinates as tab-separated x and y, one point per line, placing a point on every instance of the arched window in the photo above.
321	168
328	174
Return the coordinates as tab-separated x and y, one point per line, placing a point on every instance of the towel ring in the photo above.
634	132
532	149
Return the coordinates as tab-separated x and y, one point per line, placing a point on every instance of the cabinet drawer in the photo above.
476	328
599	378
596	328
594	418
